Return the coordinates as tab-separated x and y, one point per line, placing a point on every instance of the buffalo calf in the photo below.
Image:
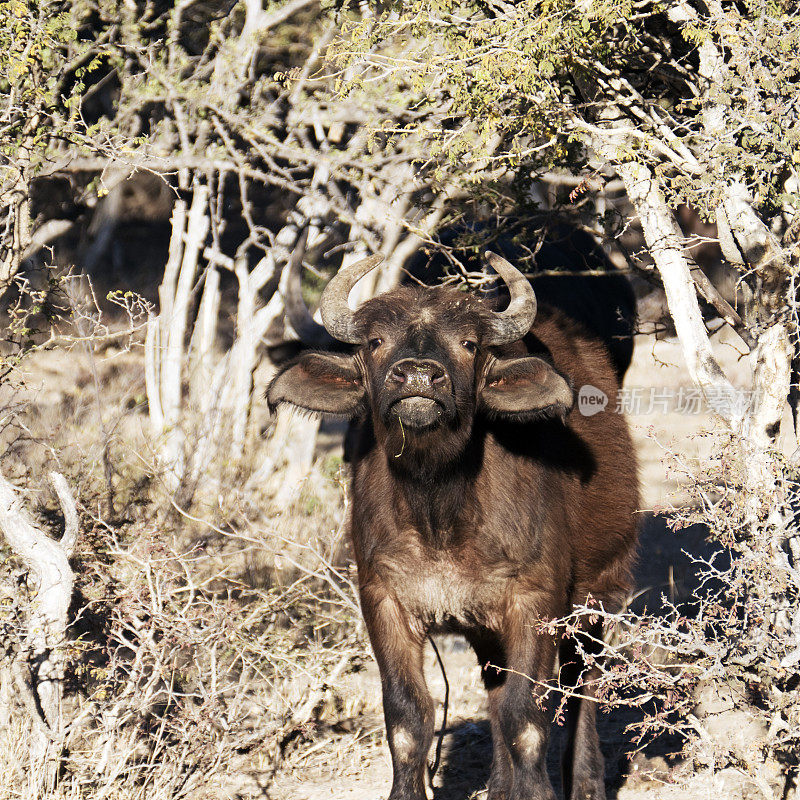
483	502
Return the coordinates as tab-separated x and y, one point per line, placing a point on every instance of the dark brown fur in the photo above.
508	511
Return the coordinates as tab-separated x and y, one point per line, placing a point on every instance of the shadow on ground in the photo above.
467	756
665	569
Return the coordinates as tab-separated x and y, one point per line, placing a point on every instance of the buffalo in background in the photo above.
587	287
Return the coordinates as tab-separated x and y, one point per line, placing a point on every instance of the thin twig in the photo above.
432	768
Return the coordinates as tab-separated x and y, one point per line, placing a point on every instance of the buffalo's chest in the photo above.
444	591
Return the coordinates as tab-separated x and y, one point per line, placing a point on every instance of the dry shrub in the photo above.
205	643
189	660
719	670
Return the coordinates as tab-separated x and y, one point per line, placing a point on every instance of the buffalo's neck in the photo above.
437	498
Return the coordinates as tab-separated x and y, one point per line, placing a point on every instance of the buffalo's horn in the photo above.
337	315
311	333
516	320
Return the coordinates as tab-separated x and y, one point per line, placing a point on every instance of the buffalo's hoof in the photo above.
589	789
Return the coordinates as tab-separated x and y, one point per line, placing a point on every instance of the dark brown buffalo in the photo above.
484	503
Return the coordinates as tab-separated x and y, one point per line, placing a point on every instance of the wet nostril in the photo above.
399	374
439	378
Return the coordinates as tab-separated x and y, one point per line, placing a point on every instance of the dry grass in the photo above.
210	645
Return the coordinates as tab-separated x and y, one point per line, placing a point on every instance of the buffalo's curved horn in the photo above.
513	323
311	333
337	316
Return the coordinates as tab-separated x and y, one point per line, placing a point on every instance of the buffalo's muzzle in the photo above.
418	412
420	386
414	373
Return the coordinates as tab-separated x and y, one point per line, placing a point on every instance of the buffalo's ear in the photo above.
323	382
523	389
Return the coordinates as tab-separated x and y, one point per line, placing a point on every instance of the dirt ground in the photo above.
669	433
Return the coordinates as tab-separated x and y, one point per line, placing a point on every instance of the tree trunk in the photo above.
38	669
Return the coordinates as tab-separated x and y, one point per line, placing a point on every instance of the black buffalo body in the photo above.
569	273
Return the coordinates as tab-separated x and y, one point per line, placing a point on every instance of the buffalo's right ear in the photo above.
323	382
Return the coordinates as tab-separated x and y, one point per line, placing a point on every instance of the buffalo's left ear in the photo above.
321	382
522	389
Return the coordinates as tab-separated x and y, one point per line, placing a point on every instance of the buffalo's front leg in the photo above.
407	705
522	710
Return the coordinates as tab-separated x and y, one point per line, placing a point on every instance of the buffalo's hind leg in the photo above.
492	661
407	704
582	768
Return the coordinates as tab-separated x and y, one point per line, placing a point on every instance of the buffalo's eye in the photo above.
374	344
469	345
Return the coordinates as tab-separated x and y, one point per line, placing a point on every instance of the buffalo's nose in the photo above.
414	372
